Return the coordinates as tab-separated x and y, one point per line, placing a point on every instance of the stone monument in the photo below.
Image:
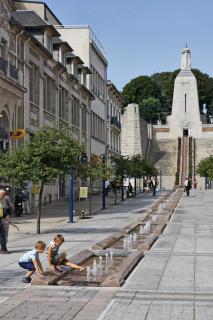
185	117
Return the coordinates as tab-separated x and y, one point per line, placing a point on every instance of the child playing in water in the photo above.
55	259
30	261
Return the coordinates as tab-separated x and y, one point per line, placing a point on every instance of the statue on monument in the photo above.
186	59
205	110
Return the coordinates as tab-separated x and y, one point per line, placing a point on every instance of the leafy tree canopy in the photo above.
205	167
154	93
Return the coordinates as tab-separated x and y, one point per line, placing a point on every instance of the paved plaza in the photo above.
173	281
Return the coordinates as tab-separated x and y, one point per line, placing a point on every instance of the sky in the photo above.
142	37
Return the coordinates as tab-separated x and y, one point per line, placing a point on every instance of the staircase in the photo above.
184	159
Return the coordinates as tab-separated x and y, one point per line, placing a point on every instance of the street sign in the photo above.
18	134
83	192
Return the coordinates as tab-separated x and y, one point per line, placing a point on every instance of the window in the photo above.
98	128
97	84
34	84
75	116
84	118
3	48
63	58
49	97
63	104
79	75
108	109
49	42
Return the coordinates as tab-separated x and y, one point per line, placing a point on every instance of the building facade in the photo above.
87	46
12	89
42	83
114	108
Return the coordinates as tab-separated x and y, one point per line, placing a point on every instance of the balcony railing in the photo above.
13	72
3	65
115	122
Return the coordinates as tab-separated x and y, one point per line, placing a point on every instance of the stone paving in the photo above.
173	281
79	236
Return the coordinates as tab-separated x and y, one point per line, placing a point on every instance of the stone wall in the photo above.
164	155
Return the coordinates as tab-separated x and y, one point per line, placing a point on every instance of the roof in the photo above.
57	40
86	69
30	19
45	6
71	56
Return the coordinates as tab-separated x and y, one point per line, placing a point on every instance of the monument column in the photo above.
185	115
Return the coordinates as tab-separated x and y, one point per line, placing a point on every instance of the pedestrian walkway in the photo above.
175	279
78	236
173	282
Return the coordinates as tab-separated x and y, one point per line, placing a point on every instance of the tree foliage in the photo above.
205	167
46	156
134	166
154	94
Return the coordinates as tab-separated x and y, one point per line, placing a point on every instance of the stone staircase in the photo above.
184	159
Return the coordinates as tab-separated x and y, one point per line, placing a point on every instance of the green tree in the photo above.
45	157
150	109
205	167
120	169
154	94
139	89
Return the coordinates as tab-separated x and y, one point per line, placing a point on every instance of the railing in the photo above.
13	72
184	159
115	122
3	65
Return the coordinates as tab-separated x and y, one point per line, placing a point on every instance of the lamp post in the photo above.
70	195
103	182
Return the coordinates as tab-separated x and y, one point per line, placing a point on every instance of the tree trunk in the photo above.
135	186
122	189
115	193
39	208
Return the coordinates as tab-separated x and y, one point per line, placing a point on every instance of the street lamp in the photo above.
82	159
70	194
103	157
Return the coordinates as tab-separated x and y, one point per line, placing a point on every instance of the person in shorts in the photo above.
55	259
30	261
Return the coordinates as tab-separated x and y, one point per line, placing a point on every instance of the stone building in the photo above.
114	106
87	46
42	83
12	86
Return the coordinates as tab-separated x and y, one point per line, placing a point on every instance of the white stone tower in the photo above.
185	117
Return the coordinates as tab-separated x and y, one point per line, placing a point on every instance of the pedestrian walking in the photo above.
154	185
194	183
130	190
7	213
18	204
107	187
2	229
30	261
187	185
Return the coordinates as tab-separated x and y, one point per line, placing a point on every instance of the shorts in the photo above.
27	266
59	259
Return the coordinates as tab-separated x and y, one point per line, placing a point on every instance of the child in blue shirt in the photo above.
30	261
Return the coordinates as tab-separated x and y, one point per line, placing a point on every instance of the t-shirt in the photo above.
186	183
29	256
54	248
